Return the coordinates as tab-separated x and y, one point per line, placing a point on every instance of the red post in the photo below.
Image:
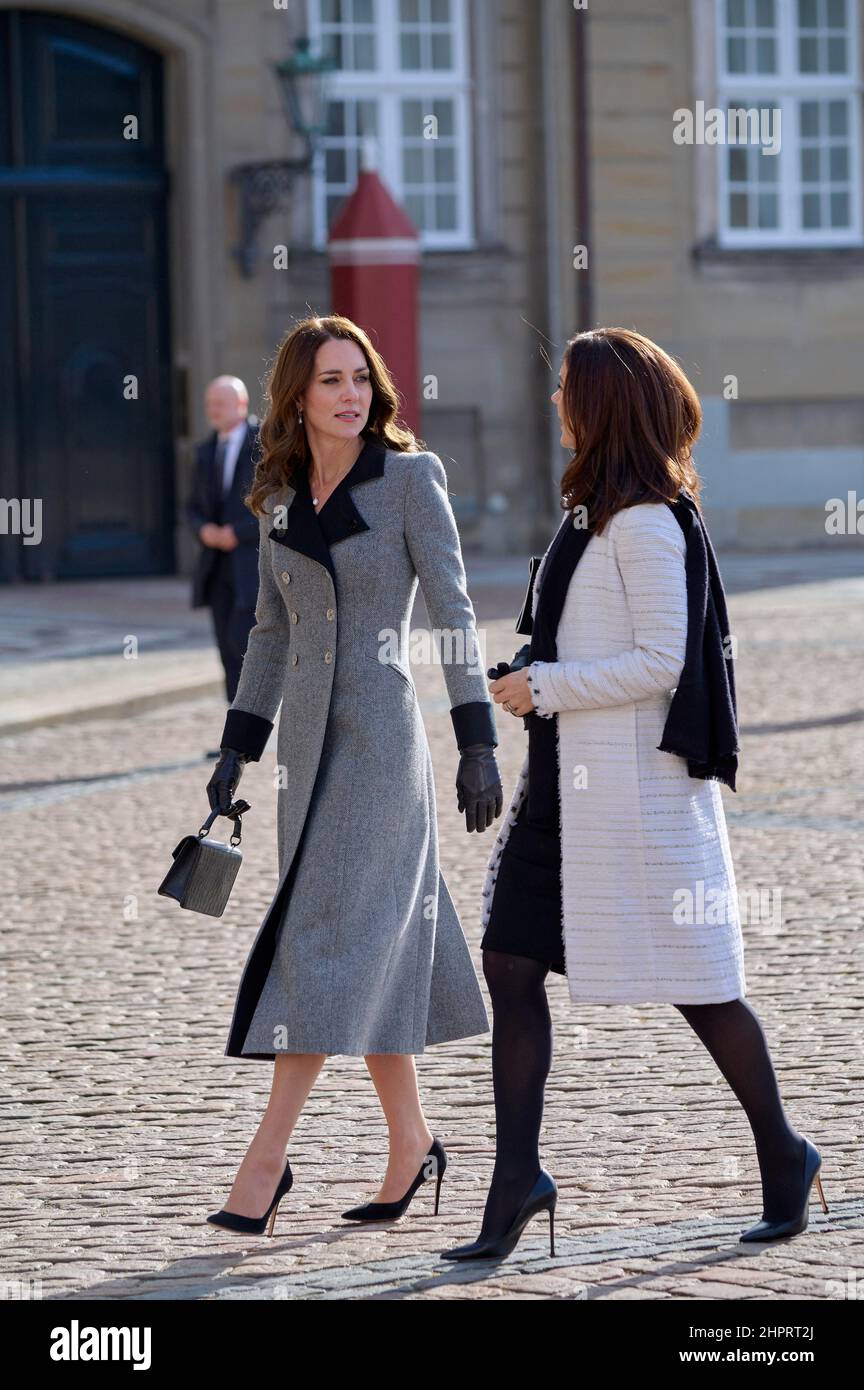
374	272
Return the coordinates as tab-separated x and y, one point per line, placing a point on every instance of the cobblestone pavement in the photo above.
123	1123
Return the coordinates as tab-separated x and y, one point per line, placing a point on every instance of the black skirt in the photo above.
525	917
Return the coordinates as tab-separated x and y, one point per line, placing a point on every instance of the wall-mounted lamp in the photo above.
264	185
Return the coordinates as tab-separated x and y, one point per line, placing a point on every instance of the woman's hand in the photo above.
513	692
503	668
479	792
223	784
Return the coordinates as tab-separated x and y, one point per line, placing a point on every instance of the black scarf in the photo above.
702	724
703	718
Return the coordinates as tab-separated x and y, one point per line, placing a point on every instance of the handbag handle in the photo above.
234	813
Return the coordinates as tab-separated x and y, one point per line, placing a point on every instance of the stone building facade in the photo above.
564	191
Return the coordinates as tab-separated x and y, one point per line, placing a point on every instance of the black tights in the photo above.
522	1058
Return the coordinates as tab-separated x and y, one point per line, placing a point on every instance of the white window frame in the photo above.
784	90
387	85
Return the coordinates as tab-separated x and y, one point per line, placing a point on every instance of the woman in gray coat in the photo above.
361	951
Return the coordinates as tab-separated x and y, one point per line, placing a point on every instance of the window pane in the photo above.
409	11
445	212
837	118
364	12
808	55
808	14
364	52
409	52
768	167
810	210
738	210
412	118
836	14
736	55
766	57
838	163
331	12
331	47
334	205
445	165
335	168
415	206
764	14
367	118
809	118
837	55
441	12
810	165
736	14
442	52
840	210
445	114
738	166
768	210
335	118
412	165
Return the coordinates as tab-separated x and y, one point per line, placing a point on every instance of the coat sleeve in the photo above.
246	526
246	529
433	544
196	510
253	711
650	551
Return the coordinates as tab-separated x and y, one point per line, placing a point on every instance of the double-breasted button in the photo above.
294	658
331	614
328	656
286	576
295	617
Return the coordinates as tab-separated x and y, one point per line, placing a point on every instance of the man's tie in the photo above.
221	451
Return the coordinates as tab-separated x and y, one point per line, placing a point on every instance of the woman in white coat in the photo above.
615	839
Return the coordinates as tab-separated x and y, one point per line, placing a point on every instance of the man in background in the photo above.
226	575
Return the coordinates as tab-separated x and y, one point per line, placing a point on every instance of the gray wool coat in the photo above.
361	950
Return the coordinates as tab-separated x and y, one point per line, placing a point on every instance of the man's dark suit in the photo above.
226	580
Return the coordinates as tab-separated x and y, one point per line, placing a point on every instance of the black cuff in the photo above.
474	723
246	732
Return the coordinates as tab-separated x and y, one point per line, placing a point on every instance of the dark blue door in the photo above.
84	324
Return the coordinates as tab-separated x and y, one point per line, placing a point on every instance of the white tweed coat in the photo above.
649	901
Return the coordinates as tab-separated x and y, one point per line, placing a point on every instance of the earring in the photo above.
300	417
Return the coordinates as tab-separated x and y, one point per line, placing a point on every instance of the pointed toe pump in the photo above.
776	1230
254	1225
542	1197
433	1165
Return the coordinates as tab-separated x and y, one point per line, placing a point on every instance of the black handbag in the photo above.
204	870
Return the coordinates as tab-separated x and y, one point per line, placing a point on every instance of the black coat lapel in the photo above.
313	533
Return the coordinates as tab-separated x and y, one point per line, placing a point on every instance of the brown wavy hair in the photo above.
635	417
283	447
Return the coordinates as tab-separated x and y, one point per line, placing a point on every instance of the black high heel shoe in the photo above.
391	1211
254	1225
542	1197
775	1230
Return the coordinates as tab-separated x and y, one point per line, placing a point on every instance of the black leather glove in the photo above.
222	786
478	786
520	660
